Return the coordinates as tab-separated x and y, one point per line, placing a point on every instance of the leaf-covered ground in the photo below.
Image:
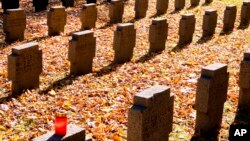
99	101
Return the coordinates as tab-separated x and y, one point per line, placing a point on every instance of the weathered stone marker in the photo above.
151	116
141	7
88	16
186	28
7	4
179	4
14	24
74	133
208	1
124	42
82	49
24	67
209	22
210	97
68	3
245	13
158	33
56	20
162	6
229	18
195	3
40	5
244	81
116	9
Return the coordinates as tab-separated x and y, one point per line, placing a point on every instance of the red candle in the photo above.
61	123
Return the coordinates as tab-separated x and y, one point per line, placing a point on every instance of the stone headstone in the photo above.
208	1
151	116
7	4
124	42
210	97
68	3
186	28
40	5
24	67
179	4
245	13
116	9
195	3
158	33
82	49
14	24
162	6
56	20
91	1
74	133
209	22
141	7
244	81
229	18
88	16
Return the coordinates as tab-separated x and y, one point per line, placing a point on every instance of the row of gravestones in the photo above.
151	116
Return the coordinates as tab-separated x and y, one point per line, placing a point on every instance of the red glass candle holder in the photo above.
61	123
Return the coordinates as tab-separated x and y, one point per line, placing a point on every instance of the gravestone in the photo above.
24	67
209	22
91	1
7	4
158	33
179	4
116	9
162	6
56	20
186	28
82	49
229	18
208	1
40	5
14	24
74	133
141	7
124	42
151	116
88	16
211	95
245	13
195	3
68	3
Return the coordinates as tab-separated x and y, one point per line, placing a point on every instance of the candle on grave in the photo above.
61	123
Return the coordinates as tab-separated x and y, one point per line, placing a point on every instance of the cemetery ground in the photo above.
99	101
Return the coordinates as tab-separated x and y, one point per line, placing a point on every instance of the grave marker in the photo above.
68	3
14	24
7	4
88	16
179	4
40	5
162	6
195	3
116	9
158	33
56	20
24	67
186	28
209	22
211	95
124	42
151	116
229	18
82	49
245	13
141	7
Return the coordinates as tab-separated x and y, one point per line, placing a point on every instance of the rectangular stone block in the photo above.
141	7
82	49
40	5
24	67
158	33
211	95
14	24
229	18
245	13
195	3
151	116
56	20
186	28
162	6
209	22
124	42
179	4
116	9
88	16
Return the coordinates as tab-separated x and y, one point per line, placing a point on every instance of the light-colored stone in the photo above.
88	16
